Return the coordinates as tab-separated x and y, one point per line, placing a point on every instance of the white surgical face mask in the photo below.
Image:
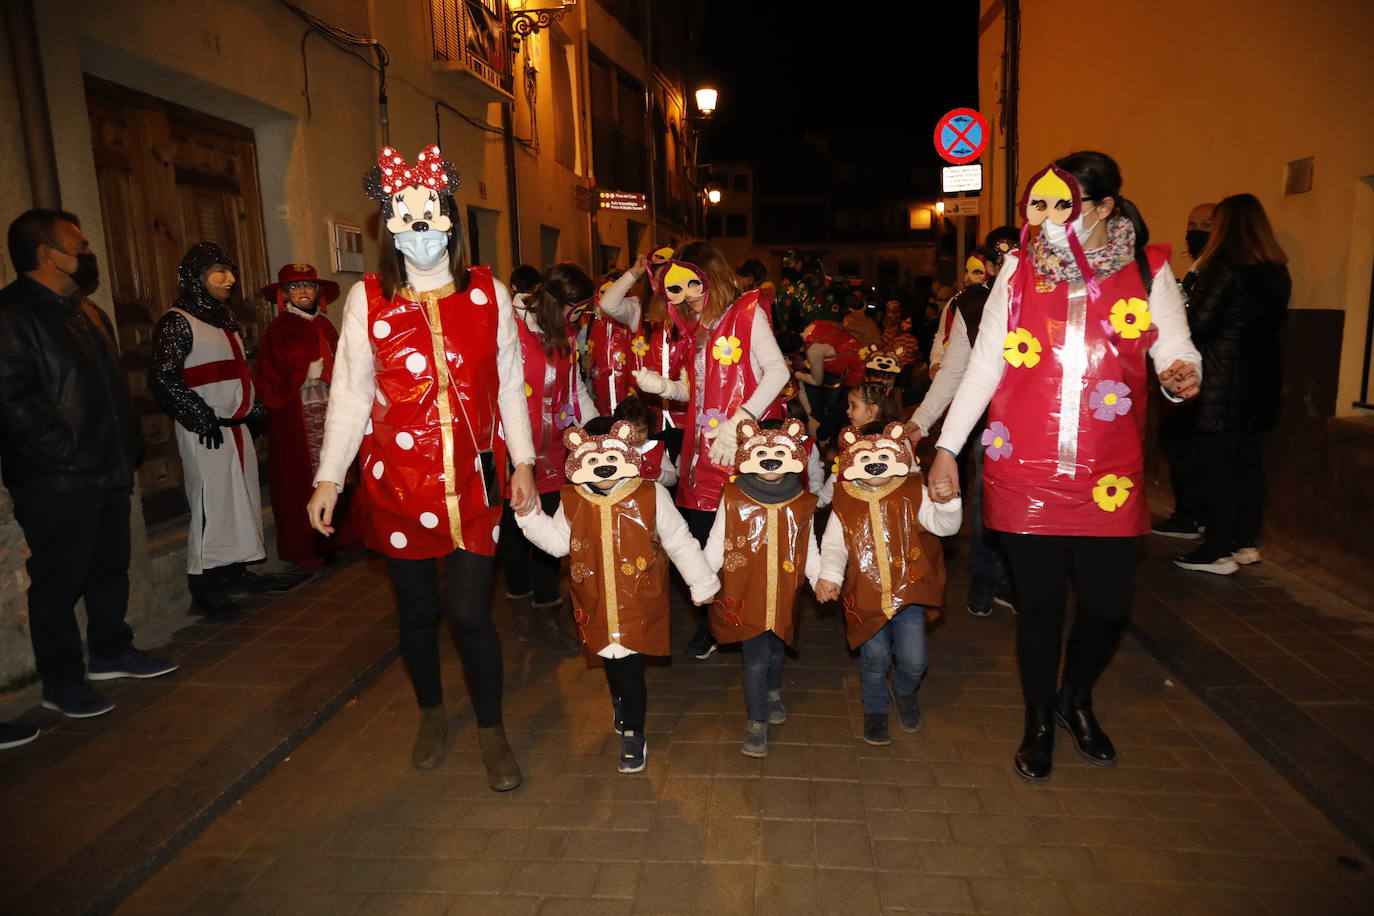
1058	236
422	250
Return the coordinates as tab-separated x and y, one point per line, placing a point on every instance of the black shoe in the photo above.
214	606
12	734
980	591
1206	560
702	645
634	753
908	710
1074	712
875	728
1003	595
1035	756
1175	527
133	663
77	700
247	583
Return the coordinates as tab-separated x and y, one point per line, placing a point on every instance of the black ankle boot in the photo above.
1035	756
1074	711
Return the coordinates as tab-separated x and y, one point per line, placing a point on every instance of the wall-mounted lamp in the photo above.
713	195
706	101
527	21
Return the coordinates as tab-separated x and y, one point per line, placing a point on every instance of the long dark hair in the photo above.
1241	234
392	264
1099	177
563	286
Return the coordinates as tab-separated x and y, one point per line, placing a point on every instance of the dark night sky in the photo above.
781	72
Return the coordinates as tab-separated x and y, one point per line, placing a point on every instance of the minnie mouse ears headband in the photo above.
392	174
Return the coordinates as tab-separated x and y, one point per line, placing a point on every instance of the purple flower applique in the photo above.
997	439
1110	400
566	417
711	418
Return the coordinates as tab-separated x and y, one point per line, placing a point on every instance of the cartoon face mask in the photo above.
661	256
601	460
885	360
771	451
1052	196
975	270
682	281
882	456
413	201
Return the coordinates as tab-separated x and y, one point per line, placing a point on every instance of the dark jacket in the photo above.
1236	314
66	422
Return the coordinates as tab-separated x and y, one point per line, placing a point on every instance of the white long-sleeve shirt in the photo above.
586	407
553	535
986	363
617	303
940	519
715	548
354	383
942	390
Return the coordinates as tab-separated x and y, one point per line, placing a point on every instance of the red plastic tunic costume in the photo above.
613	353
721	378
1083	359
847	363
420	469
668	354
550	388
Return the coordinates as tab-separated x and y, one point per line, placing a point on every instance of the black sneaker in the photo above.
249	583
702	645
634	753
908	710
215	607
617	715
875	728
76	701
1002	595
980	597
133	663
1202	561
1175	527
12	734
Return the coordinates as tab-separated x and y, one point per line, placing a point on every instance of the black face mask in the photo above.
1197	240
87	273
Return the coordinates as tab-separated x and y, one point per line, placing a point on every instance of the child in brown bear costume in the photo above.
620	530
762	544
883	544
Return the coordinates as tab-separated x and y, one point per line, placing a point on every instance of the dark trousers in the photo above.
699	522
79	548
985	554
529	569
828	406
214	582
1178	443
468	580
625	678
1103	572
1233	468
763	657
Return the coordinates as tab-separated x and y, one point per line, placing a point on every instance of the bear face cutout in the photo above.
885	360
875	457
771	451
602	460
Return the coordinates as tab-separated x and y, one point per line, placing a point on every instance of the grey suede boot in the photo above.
503	772
431	739
522	610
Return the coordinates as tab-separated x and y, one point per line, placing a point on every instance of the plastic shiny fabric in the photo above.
551	390
1066	424
848	362
435	408
616	352
668	355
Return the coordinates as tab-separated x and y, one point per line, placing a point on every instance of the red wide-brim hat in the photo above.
301	273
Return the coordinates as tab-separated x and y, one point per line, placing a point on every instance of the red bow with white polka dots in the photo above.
428	171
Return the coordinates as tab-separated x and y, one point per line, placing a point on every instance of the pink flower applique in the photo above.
566	417
997	438
711	418
1110	400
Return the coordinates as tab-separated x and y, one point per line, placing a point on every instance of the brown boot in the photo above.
521	608
503	772
550	622
431	740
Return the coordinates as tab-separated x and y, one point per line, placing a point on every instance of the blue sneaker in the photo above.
634	753
76	701
133	663
12	734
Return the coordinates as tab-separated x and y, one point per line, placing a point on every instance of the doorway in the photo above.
548	246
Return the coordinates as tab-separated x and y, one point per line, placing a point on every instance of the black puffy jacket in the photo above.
1236	314
66	422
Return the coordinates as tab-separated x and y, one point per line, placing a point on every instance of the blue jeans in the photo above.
984	557
901	640
763	656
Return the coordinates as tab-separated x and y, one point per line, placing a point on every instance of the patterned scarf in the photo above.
1055	265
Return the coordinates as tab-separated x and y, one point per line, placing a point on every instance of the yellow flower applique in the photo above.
1021	349
1131	318
640	346
1112	492
726	350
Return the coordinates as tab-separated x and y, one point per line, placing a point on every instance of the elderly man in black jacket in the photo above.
69	444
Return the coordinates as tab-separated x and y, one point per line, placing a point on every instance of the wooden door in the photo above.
170	177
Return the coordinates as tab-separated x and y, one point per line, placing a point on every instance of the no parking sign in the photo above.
961	136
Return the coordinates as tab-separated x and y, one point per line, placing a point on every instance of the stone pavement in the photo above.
1193	820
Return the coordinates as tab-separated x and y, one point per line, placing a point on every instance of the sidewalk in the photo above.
1193	820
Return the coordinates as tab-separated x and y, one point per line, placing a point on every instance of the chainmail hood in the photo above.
195	298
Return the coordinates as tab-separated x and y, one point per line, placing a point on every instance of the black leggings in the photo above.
699	522
1103	571
468	577
625	677
529	569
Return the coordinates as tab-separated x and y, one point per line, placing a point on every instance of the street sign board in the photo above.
586	198
962	178
963	206
622	200
961	136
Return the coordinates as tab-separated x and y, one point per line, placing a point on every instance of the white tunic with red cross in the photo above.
222	487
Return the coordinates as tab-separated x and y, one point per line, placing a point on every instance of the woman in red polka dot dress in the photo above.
429	390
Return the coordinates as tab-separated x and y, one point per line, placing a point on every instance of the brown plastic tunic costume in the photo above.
893	561
764	564
619	569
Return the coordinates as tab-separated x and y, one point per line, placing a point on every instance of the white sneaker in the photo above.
1247	556
1222	566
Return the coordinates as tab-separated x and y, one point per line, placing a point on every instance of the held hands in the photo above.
1181	380
726	441
943	477
522	496
912	430
827	590
649	381
709	599
320	509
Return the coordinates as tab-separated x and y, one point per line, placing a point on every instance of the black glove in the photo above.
211	438
257	421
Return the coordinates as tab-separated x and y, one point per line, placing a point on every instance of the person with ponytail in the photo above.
558	399
1060	365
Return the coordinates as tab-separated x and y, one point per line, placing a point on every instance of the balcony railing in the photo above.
470	38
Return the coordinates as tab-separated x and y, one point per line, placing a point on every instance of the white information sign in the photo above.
962	177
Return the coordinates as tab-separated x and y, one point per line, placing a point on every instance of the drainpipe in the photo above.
1012	75
649	125
34	121
512	184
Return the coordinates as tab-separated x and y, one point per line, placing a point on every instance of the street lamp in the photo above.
526	20
940	207
713	195
706	101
